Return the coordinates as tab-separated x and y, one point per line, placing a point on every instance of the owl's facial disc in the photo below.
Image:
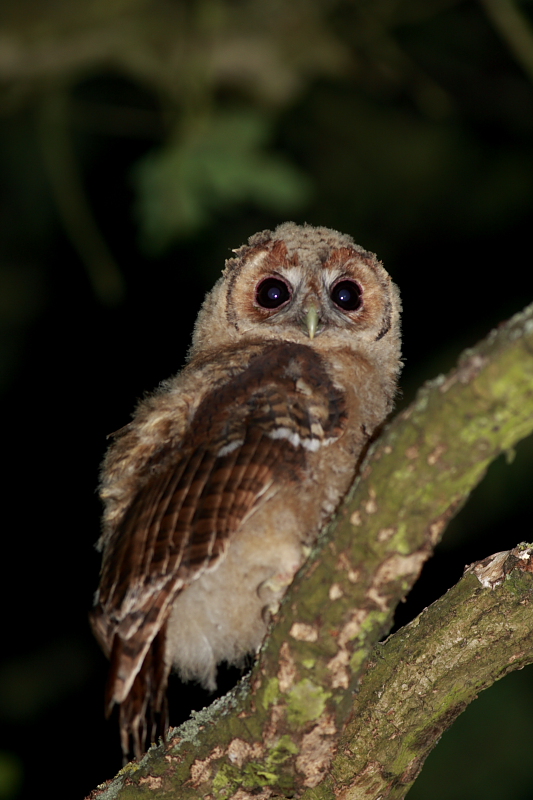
329	299
308	294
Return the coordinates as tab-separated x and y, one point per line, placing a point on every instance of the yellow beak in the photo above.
312	320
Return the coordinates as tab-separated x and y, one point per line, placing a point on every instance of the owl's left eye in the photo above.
272	293
347	295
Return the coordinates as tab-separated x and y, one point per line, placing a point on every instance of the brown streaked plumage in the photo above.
222	481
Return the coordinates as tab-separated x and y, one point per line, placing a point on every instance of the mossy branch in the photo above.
277	733
420	680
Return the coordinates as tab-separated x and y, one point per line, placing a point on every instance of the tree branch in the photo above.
278	732
420	680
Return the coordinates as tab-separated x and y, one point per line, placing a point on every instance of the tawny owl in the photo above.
216	490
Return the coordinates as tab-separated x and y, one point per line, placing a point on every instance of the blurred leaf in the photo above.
220	164
10	775
30	684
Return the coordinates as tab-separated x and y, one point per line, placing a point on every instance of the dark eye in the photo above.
346	295
272	293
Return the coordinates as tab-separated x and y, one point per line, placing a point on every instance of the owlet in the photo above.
219	486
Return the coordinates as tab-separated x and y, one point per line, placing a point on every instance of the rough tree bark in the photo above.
285	729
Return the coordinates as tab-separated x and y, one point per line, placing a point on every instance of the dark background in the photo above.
139	143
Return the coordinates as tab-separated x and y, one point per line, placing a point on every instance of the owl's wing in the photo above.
247	437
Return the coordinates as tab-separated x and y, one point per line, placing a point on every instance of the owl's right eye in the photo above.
272	293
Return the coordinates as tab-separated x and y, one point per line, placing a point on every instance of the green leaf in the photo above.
211	167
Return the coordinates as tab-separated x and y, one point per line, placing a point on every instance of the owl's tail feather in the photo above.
143	714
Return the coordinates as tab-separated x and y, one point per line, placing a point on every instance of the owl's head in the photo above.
307	285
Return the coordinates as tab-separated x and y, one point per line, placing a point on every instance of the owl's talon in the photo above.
275	585
269	612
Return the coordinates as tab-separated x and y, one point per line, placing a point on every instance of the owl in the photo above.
218	488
